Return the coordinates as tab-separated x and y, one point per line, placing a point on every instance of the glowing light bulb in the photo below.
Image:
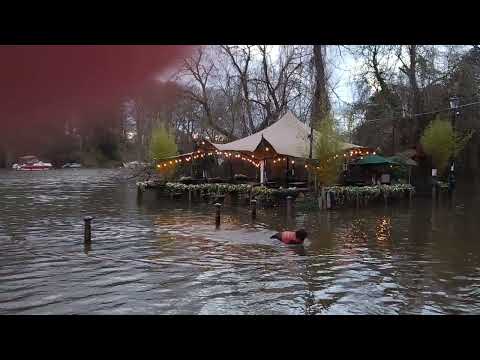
293	161
266	149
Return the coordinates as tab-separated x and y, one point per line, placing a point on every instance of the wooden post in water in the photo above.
434	185
322	198
358	201
139	193
329	200
87	247
385	198
253	208
289	205
189	195
289	201
87	238
217	214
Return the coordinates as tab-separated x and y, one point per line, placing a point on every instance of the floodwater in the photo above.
164	257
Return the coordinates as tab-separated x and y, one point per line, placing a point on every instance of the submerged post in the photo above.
88	229
253	208
139	193
87	247
434	185
385	198
189	195
289	202
320	198
289	205
217	214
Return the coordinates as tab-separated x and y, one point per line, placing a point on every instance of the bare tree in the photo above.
278	81
200	70
320	101
241	57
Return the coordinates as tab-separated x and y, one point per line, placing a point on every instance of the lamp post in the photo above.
454	103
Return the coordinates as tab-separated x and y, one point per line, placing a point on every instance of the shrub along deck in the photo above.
339	196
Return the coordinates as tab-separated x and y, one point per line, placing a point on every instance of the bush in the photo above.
328	152
209	189
162	144
109	150
240	177
441	143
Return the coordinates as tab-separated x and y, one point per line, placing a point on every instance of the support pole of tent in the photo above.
286	172
262	172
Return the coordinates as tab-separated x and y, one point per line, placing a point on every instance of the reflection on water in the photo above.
166	257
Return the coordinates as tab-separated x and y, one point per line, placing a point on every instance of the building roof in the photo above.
288	136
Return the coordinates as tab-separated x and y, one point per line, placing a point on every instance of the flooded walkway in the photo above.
164	257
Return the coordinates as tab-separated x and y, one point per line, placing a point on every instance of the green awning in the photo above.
403	160
375	160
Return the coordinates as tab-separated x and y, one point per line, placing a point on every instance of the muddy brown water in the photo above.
166	257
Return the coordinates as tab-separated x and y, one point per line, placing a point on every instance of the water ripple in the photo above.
167	257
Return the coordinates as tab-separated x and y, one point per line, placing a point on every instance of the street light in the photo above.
454	104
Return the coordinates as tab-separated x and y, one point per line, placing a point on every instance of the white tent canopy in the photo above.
288	136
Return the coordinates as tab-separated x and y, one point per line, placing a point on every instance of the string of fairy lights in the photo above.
199	154
251	159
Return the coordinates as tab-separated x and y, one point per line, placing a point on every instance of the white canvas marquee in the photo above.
288	136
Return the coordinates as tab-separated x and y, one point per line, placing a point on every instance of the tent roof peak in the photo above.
288	136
